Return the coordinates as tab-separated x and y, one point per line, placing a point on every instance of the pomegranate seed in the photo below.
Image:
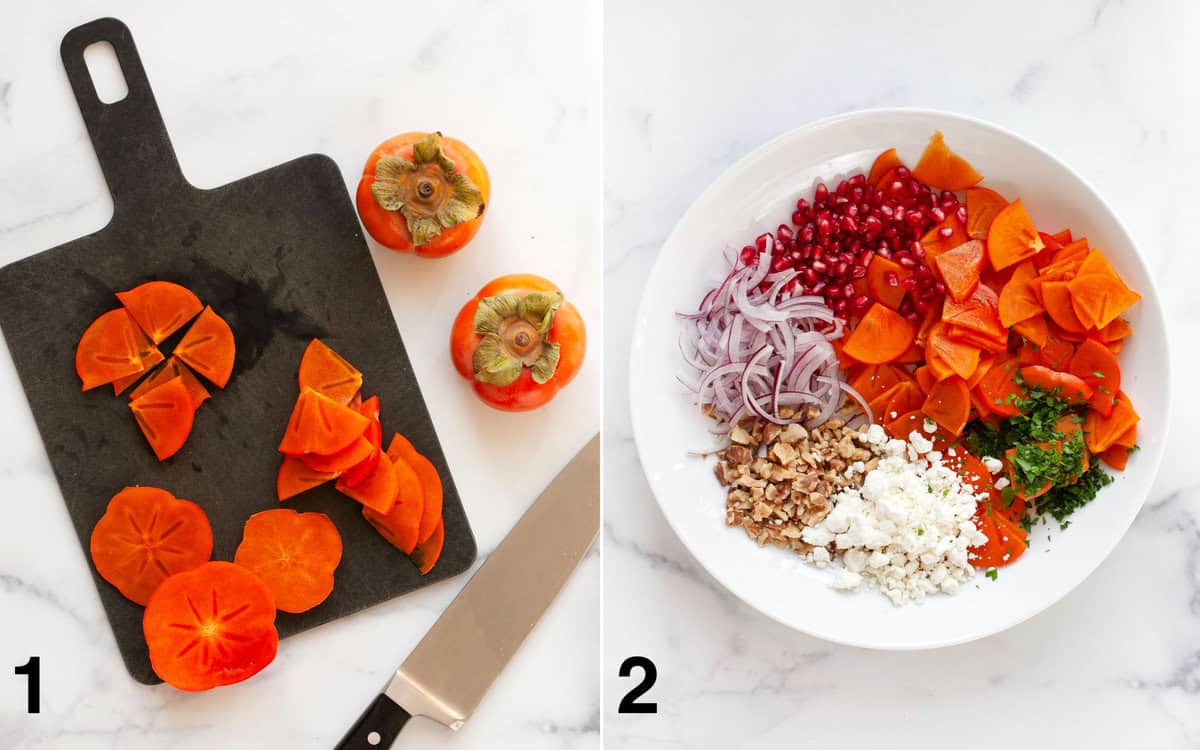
891	278
785	233
939	288
798	218
808	233
819	266
887	210
857	180
912	317
918	250
906	261
921	305
961	213
748	255
791	285
833	291
923	272
949	197
909	282
802	206
902	172
843	189
762	240
849	224
841	268
818	287
915	217
839	305
899	213
946	232
780	264
858	272
848	291
937	214
824	227
861	302
810	276
821	193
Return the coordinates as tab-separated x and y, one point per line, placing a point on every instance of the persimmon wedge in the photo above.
171	369
295	477
941	168
1095	365
165	415
377	490
210	626
321	425
294	554
960	268
1012	237
881	336
426	555
374	435
160	308
208	347
949	404
147	535
325	371
151	358
983	205
343	460
110	349
402	524
883	164
431	483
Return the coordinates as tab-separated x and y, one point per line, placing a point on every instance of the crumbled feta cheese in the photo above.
929	425
907	530
993	465
1001	483
874	435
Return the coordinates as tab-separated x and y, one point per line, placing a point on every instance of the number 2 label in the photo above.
630	704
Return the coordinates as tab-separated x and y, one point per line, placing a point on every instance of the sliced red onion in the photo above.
758	351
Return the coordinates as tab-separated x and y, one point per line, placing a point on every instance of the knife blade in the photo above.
448	672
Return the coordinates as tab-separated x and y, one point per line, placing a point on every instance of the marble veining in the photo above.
244	86
1116	663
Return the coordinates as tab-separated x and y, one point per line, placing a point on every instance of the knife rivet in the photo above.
374	738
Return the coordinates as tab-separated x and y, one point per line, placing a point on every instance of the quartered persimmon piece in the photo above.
340	462
374	435
885	279
1114	331
160	308
949	404
1116	457
935	244
426	555
941	168
1100	432
1095	365
208	348
171	369
881	336
1057	298
295	477
147	535
983	204
320	425
1006	540
431	483
165	415
294	554
960	268
1098	290
325	371
110	349
377	490
961	358
210	626
402	524
151	357
1017	299
872	380
1033	329
1012	237
979	313
884	163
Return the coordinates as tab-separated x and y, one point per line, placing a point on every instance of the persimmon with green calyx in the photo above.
431	483
209	348
881	336
160	308
320	425
110	349
941	168
327	372
423	193
294	554
210	626
1012	237
519	342
147	535
165	415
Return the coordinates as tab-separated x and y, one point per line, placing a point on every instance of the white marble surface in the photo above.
244	86
1102	84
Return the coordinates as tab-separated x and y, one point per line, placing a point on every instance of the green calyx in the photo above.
428	190
514	333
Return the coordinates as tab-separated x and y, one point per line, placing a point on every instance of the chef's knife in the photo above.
446	675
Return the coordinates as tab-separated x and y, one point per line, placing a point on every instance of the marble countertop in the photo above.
244	86
1116	663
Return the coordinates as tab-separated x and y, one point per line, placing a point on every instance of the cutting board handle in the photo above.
128	135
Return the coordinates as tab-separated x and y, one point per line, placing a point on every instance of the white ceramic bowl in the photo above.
757	194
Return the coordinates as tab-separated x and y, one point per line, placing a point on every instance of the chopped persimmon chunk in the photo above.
111	348
165	415
160	308
325	371
208	348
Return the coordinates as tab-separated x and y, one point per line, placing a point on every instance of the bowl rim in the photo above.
1149	294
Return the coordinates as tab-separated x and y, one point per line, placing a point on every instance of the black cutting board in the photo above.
281	257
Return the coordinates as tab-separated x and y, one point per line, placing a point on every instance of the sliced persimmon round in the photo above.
147	535
321	425
374	433
295	477
208	348
402	524
377	491
160	308
340	462
110	349
295	555
165	415
210	626
325	371
431	483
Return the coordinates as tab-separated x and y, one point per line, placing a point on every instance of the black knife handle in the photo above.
377	728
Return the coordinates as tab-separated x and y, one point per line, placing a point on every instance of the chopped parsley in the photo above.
993	574
1063	500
